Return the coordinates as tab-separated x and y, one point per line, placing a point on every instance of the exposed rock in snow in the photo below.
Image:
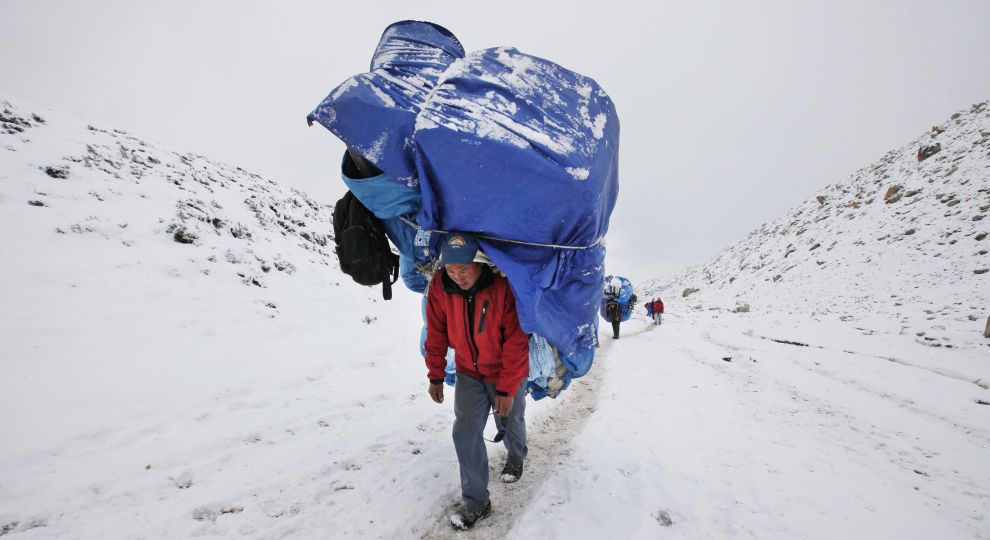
928	151
893	194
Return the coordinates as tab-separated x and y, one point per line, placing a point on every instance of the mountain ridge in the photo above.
904	238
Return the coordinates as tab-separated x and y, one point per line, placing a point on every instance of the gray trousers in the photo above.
473	401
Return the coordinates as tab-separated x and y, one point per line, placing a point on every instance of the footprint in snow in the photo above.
183	481
663	518
211	513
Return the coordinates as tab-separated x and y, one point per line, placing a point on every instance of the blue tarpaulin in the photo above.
514	148
619	289
375	113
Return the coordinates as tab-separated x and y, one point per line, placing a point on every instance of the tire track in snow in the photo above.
967	430
936	370
851	428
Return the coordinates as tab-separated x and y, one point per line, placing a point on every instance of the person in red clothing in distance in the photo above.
472	310
657	311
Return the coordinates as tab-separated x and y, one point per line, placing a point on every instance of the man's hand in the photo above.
436	392
503	404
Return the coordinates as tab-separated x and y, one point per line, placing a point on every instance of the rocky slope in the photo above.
903	239
127	199
135	274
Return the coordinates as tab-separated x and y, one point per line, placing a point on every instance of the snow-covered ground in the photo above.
239	385
707	428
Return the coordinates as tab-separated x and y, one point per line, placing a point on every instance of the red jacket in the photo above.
491	346
658	306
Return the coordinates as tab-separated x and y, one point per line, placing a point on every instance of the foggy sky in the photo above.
731	112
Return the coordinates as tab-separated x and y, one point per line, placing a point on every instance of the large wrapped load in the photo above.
511	147
618	289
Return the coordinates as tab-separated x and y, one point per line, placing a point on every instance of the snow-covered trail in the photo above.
270	461
548	437
700	428
352	447
706	430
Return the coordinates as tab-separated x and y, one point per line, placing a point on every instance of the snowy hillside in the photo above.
126	260
902	240
154	307
180	357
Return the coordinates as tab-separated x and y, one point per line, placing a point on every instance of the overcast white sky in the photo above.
731	111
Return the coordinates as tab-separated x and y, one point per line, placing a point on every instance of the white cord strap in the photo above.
496	239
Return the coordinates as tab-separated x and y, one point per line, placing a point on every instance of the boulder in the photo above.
926	152
893	194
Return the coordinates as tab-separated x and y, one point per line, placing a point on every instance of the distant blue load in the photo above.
619	289
514	148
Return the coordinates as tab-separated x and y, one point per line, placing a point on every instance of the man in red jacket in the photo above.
473	311
657	311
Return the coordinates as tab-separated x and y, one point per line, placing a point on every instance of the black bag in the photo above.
613	311
362	246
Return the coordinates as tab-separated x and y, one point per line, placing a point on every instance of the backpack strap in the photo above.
386	283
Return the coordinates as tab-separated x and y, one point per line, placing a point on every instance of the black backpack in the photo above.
613	311
362	246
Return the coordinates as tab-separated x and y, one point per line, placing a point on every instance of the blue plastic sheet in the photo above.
518	148
619	289
375	112
506	145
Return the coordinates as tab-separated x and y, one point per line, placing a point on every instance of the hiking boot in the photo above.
463	520
512	472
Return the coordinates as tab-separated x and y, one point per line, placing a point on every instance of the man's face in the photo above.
464	275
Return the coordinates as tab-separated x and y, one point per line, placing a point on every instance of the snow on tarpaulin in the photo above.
514	147
619	289
375	113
